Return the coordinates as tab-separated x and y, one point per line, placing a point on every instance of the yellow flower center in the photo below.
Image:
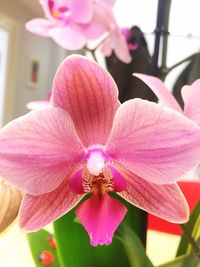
100	184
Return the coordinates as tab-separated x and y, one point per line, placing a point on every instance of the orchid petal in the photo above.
120	46
39	26
164	201
154	142
191	96
33	215
81	11
38	150
159	89
101	22
69	37
89	94
100	216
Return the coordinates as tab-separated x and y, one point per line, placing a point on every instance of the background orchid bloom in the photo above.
88	143
190	95
116	42
71	23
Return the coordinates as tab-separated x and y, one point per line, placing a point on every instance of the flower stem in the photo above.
190	239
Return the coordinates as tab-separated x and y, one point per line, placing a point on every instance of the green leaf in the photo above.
134	248
178	262
192	260
135	218
191	225
74	246
75	250
38	242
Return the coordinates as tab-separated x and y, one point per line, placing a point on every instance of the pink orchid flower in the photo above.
190	94
72	23
89	143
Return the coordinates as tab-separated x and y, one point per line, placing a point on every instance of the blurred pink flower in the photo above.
89	143
190	94
71	23
116	42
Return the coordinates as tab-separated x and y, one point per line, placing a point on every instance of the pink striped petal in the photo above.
39	26
156	143
100	216
34	216
164	201
68	37
159	89
191	96
38	150
89	94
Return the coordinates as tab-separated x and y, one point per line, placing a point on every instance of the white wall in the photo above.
24	46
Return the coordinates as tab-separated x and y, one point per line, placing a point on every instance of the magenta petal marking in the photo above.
76	182
119	181
100	216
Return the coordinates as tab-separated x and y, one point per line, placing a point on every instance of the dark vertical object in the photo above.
161	38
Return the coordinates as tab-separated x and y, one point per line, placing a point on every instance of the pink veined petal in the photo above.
39	26
68	37
38	211
154	142
164	201
38	150
38	104
81	11
159	89
191	96
89	94
100	216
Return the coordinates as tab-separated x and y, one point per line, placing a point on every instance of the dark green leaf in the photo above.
192	260
184	244
38	242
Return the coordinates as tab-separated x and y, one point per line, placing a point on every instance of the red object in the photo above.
51	241
191	191
46	258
